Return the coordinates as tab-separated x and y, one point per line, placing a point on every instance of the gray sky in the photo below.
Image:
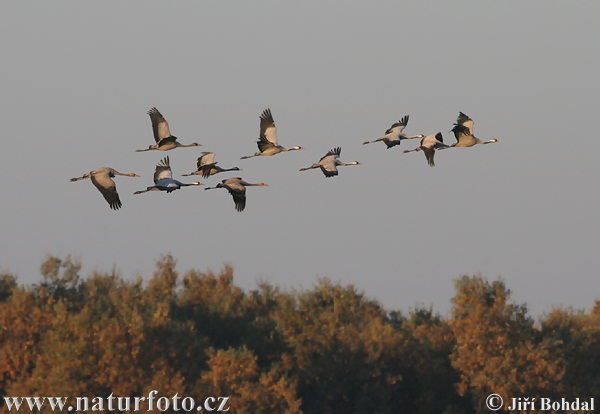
79	77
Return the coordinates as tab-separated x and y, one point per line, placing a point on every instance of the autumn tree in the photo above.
174	349
497	348
235	373
24	320
347	357
328	349
577	335
60	279
432	376
7	284
216	307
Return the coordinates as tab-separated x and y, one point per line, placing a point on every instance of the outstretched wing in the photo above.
160	126
239	198
328	162
464	120
429	153
401	124
264	144
460	131
268	131
238	192
335	152
108	188
163	170
207	158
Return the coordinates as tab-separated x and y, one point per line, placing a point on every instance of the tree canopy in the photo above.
329	349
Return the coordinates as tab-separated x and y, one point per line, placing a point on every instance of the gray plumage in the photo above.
394	135
102	178
237	188
428	145
267	140
206	166
162	135
463	131
163	179
329	163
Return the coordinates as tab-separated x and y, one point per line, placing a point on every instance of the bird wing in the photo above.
264	144
205	159
464	120
461	131
108	188
391	142
160	126
334	153
328	166
231	180
329	171
400	125
239	199
163	170
238	192
429	153
268	130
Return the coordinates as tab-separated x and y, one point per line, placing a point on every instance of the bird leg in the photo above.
414	150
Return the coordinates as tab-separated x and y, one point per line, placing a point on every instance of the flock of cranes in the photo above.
267	146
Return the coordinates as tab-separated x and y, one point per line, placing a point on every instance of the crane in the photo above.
237	188
267	140
162	135
206	166
102	178
163	179
428	145
394	135
463	131
329	163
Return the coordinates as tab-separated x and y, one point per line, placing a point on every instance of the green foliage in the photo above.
324	350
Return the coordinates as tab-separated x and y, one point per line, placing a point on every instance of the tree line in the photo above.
329	349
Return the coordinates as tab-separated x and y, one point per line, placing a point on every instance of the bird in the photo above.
164	140
428	145
267	141
329	163
163	179
463	131
207	166
394	135
102	178
237	188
